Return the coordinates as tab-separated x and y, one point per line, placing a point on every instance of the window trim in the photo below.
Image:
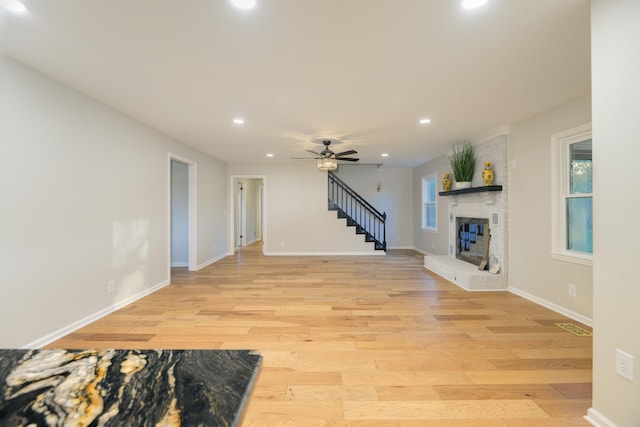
560	143
424	181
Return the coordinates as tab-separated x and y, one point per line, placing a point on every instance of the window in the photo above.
429	205
572	198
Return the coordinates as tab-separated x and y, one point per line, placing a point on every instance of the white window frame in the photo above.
425	179
560	143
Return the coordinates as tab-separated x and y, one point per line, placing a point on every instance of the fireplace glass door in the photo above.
472	243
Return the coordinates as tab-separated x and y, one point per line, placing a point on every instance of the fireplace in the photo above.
472	240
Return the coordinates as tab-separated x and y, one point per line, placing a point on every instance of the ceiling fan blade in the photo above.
304	158
346	153
313	152
348	159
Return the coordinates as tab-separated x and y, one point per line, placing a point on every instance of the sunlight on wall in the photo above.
130	256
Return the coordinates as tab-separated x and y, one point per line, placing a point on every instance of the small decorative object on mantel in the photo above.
487	174
446	182
463	162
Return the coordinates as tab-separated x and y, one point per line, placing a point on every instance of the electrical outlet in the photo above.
111	286
281	242
624	364
572	290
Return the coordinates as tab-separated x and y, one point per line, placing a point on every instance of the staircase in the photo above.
358	212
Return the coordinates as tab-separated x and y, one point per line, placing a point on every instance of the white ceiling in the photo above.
364	71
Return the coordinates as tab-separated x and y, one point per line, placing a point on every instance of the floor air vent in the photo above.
574	329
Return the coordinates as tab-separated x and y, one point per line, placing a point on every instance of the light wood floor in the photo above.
366	341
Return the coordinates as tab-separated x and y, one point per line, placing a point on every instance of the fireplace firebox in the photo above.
472	241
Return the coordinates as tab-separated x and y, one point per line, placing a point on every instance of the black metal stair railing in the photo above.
359	213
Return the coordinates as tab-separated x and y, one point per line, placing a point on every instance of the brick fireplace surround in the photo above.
489	205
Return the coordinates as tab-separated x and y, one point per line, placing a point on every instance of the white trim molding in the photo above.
56	335
553	307
576	259
211	261
422	251
595	418
381	253
179	264
559	184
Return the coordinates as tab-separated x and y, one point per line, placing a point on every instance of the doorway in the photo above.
182	213
247	221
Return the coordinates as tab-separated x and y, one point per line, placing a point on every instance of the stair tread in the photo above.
359	229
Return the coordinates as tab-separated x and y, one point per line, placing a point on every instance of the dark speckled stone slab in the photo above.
125	387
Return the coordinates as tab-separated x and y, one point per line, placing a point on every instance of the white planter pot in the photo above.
463	185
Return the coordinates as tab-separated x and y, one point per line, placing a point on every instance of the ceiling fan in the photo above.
327	159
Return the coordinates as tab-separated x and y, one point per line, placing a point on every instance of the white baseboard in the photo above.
180	264
56	335
595	418
400	247
323	253
211	261
554	307
423	252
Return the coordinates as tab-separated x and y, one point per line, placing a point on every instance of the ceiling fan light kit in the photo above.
327	164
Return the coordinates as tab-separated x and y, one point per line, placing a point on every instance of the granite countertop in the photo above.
125	387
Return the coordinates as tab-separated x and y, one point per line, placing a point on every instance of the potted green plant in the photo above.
463	162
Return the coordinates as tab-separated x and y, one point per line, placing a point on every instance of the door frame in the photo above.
259	203
241	214
192	168
231	230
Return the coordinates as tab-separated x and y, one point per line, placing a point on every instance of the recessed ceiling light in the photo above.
244	4
473	4
238	121
425	121
384	155
14	6
270	155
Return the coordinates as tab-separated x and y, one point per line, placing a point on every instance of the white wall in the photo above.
297	219
394	198
532	271
85	200
616	150
429	241
179	214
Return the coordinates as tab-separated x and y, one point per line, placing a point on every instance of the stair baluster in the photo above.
358	212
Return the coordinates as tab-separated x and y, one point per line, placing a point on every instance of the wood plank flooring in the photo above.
366	341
